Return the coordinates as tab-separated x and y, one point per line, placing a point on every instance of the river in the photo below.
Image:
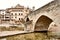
33	36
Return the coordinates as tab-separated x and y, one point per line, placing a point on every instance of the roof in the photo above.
19	6
2	10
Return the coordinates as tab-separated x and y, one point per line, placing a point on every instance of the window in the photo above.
11	17
12	20
19	13
6	17
15	13
11	13
19	18
15	17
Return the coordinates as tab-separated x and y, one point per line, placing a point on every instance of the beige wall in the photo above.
18	10
21	16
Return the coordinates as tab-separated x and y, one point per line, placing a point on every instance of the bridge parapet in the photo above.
51	10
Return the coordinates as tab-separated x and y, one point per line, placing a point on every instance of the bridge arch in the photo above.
42	23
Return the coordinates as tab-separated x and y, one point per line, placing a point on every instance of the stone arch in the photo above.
42	23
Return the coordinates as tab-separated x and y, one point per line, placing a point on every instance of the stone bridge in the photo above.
44	16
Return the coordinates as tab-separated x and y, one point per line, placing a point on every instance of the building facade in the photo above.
4	16
15	14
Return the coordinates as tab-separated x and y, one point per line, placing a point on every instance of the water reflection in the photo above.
34	36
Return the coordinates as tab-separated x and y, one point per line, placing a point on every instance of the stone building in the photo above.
5	17
15	14
18	12
3	12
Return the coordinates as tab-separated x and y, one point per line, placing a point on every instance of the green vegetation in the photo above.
11	28
31	36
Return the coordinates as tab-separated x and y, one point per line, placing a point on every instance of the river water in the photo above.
33	36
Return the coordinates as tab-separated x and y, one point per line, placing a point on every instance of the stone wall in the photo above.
51	10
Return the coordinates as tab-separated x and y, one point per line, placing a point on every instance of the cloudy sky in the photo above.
27	3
